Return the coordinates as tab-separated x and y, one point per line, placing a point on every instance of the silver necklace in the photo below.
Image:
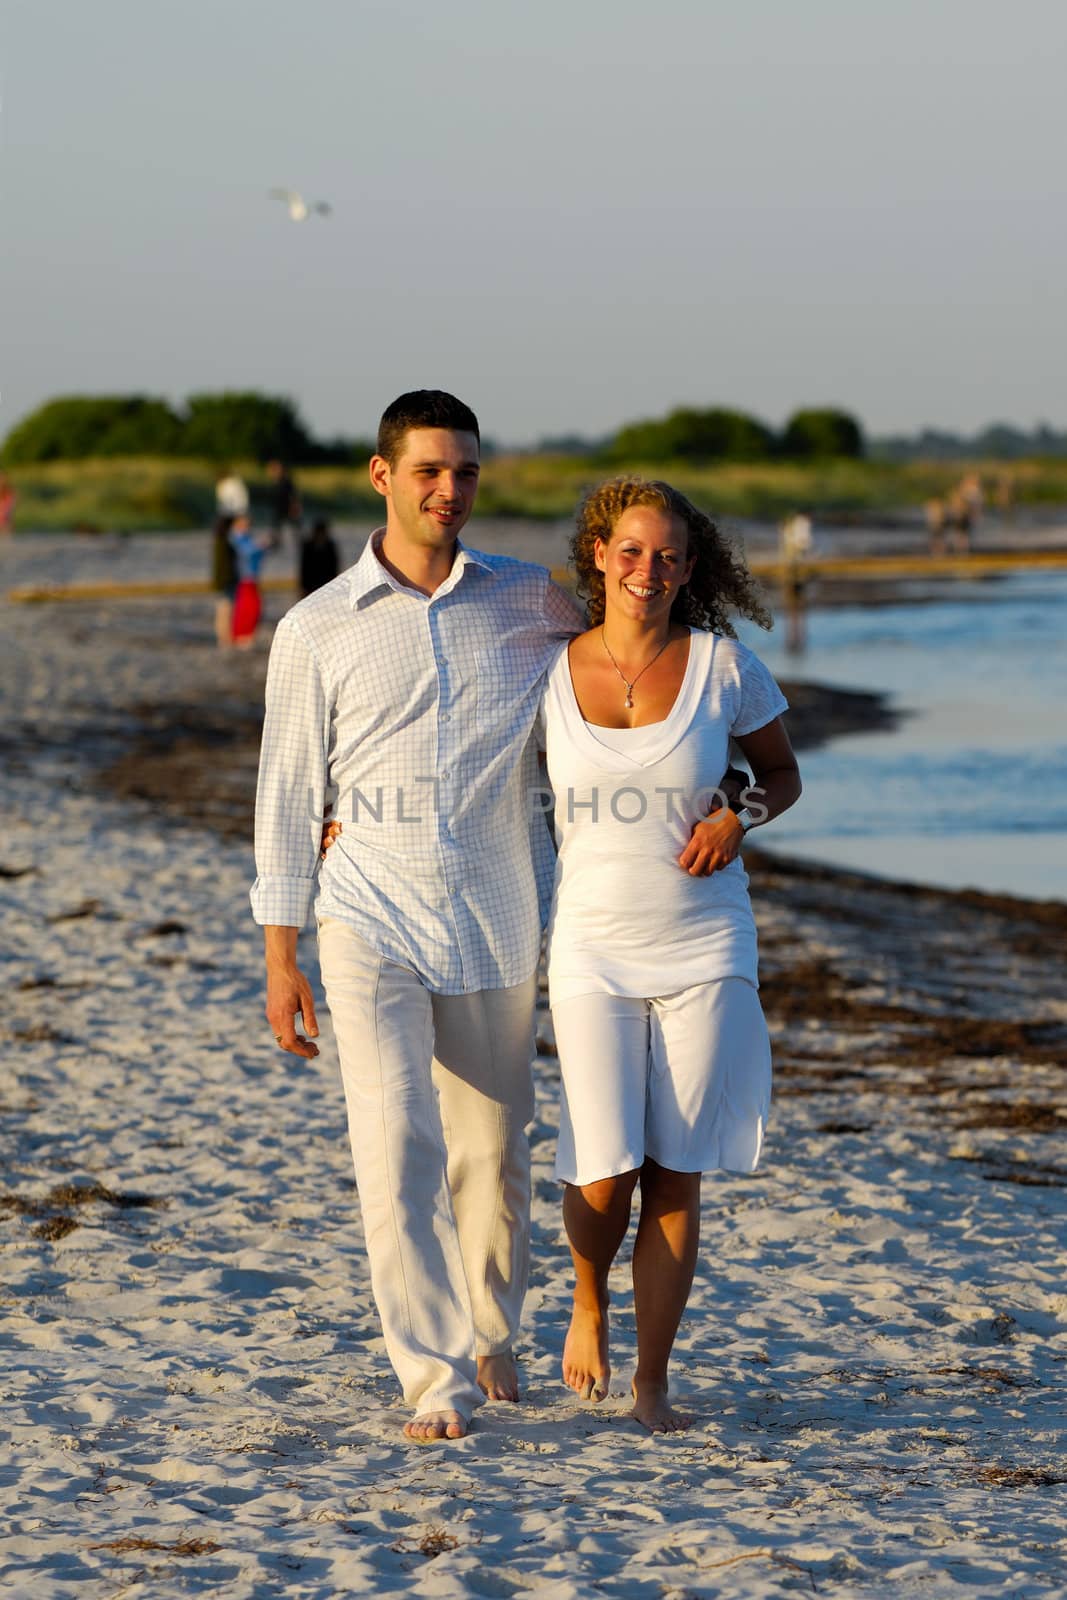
629	682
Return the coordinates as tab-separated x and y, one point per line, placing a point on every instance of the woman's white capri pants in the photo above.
684	1078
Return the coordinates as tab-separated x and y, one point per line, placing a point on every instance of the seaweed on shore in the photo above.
54	1208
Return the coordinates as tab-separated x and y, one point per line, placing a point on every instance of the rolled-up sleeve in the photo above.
292	782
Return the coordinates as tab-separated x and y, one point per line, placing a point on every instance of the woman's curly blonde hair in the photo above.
720	583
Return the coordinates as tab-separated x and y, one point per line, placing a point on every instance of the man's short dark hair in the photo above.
422	408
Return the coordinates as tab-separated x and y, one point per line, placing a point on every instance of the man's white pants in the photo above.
439	1091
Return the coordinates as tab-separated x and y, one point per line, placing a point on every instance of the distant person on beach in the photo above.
319	558
8	500
935	512
249	550
406	690
964	510
223	579
231	494
1004	492
796	545
286	512
663	1050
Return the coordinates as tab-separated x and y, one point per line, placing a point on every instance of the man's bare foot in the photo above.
430	1425
498	1376
586	1368
654	1411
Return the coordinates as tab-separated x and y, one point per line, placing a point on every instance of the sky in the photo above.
573	213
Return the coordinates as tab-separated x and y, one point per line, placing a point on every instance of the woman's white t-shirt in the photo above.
626	919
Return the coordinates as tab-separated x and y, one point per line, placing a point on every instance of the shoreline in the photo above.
200	765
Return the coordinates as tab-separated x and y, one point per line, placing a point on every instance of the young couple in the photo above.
407	694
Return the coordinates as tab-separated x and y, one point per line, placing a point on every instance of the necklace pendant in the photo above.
629	701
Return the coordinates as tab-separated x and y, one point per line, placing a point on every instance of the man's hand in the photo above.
713	844
288	994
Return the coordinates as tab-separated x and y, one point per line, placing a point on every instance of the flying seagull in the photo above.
298	207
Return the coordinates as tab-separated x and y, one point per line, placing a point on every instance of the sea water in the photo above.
970	789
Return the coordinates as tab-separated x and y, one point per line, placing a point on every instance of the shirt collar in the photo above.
369	577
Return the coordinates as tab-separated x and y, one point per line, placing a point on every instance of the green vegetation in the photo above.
550	486
128	462
718	434
77	426
102	495
143	492
233	426
822	434
146	493
692	435
247	426
243	426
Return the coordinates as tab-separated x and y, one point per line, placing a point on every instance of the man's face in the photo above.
430	490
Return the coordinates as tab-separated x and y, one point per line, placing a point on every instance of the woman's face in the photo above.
645	563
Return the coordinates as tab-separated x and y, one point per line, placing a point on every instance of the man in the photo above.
285	509
320	558
405	692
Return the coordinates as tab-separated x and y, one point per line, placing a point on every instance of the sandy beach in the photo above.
196	1396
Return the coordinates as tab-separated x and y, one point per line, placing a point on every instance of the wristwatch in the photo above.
745	818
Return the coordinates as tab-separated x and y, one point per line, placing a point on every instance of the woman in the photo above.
223	580
664	1054
8	501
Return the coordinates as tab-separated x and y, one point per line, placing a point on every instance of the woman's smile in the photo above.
646	559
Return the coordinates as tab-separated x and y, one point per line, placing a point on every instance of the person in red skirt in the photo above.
250	549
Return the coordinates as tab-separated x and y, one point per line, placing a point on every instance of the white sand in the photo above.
875	1349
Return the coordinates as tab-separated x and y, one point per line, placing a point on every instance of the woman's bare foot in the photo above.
586	1368
498	1376
430	1425
654	1411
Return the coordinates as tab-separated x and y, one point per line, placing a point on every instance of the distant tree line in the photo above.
248	426
1000	441
232	426
722	434
716	433
244	425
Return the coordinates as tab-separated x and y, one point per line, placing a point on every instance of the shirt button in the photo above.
444	774
444	716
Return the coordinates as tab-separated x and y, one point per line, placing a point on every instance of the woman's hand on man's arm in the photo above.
331	830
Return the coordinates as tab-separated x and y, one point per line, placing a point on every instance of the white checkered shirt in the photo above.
413	715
